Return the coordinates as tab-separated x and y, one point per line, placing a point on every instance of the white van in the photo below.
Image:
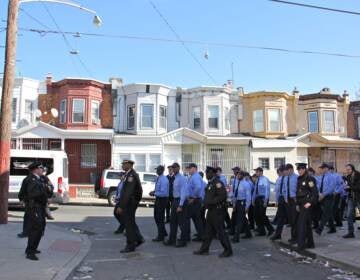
110	179
56	163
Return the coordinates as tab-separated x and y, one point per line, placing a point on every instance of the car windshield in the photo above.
114	175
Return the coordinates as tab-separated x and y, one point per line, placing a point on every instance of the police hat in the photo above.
288	166
160	168
236	168
324	165
35	165
210	168
175	165
259	169
301	165
128	161
192	165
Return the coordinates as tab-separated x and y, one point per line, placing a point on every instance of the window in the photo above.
131	117
150	178
140	162
258	119
279	162
313	122
216	157
78	111
95	112
88	156
213	116
163	113
29	110
147	116
63	111
154	161
13	144
14	111
113	175
196	117
274	119
264	163
19	165
32	144
329	123
227	118
55	144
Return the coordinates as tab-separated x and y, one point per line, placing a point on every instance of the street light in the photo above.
7	90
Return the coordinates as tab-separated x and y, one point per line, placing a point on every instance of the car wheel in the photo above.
111	198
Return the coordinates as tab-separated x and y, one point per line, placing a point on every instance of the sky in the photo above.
239	22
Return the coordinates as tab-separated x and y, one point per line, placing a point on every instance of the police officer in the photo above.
203	209
215	201
306	198
233	184
119	218
339	191
161	194
326	199
131	194
171	179
260	202
242	202
281	213
37	194
195	186
178	210
223	179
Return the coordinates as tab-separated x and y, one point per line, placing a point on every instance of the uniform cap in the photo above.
236	168
35	165
301	165
160	168
128	161
175	165
192	165
324	165
259	169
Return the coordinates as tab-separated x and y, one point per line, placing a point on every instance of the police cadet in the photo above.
161	194
260	202
195	186
119	218
281	213
306	198
171	179
233	184
37	194
242	202
178	210
326	199
131	194
290	198
215	201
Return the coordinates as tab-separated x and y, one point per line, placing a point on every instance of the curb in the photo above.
312	254
68	268
86	203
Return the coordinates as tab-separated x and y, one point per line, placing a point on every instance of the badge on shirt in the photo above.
130	179
311	184
218	185
303	183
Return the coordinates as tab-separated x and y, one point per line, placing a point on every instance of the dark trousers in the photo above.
304	232
281	216
242	224
227	218
25	229
233	220
133	235
215	228
120	219
251	217
179	220
194	213
37	222
261	219
352	205
327	205
202	214
316	215
337	214
159	215
292	216
168	208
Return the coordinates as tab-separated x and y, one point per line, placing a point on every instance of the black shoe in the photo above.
349	235
119	231
32	257
270	232
158	239
201	253
246	236
331	231
127	250
225	254
197	239
141	241
235	240
318	231
180	244
310	246
169	243
275	237
22	235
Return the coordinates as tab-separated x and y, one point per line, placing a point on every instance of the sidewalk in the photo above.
88	201
61	252
340	252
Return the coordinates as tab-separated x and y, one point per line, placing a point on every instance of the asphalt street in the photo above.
257	258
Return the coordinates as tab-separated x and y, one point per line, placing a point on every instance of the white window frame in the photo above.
73	112
137	164
262	166
279	111
142	106
196	110
62	117
132	106
317	121
95	119
29	115
218	117
84	158
256	119
283	159
163	119
227	118
325	122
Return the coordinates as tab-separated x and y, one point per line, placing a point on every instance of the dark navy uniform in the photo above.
215	202
131	194
307	192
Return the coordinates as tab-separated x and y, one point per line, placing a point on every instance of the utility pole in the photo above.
6	107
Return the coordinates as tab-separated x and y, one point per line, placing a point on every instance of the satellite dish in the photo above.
23	123
38	113
206	54
54	112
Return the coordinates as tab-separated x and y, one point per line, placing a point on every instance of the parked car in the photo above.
110	178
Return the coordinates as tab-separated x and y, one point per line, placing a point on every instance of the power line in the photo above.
316	7
181	41
44	32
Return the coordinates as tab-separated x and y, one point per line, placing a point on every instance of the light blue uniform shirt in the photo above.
222	178
195	185
329	184
290	184
339	188
243	192
118	190
262	188
279	180
162	186
180	189
204	185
